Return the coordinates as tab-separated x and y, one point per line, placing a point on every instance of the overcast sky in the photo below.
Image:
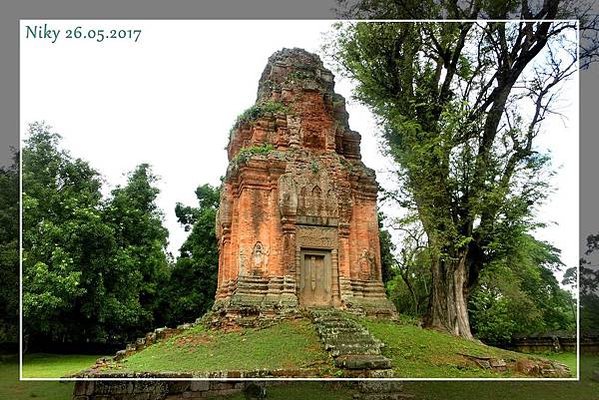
171	98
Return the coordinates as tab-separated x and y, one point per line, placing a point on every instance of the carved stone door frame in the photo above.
315	284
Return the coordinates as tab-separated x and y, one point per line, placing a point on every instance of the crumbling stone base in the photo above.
154	390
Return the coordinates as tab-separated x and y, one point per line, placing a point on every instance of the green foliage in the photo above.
387	248
314	167
91	267
298	75
259	110
61	217
245	153
447	9
192	283
589	287
141	241
519	295
409	289
450	107
9	252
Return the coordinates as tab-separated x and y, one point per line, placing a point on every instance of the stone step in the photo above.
365	340
362	361
339	324
351	344
341	328
354	351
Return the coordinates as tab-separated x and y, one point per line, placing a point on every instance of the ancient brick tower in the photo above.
297	224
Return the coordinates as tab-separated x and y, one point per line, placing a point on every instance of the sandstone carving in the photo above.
259	258
297	225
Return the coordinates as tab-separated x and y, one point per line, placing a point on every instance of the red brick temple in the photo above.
297	224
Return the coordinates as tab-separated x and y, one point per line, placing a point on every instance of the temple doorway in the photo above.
315	278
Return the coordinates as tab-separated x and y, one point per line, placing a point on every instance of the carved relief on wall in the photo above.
313	201
241	262
306	193
288	199
317	237
294	125
259	260
224	213
367	265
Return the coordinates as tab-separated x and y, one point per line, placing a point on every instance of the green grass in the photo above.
567	358
586	389
422	353
289	344
293	344
415	352
11	388
43	365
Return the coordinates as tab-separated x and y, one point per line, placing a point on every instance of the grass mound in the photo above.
424	353
287	345
293	348
294	344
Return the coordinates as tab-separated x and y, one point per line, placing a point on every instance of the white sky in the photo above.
171	98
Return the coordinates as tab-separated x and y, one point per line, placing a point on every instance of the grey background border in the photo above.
10	13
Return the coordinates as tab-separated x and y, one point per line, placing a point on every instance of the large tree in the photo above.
582	10
92	267
141	242
519	294
9	251
461	106
63	236
192	286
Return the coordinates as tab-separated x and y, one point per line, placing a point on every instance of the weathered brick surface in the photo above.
295	183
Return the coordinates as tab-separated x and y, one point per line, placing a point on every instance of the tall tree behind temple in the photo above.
450	99
63	236
582	10
192	282
90	267
387	248
141	242
9	252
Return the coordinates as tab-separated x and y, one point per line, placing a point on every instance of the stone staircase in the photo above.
352	346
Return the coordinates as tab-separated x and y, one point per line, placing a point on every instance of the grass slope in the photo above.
289	345
415	352
424	353
585	389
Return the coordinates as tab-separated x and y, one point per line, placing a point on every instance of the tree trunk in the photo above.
406	279
448	307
